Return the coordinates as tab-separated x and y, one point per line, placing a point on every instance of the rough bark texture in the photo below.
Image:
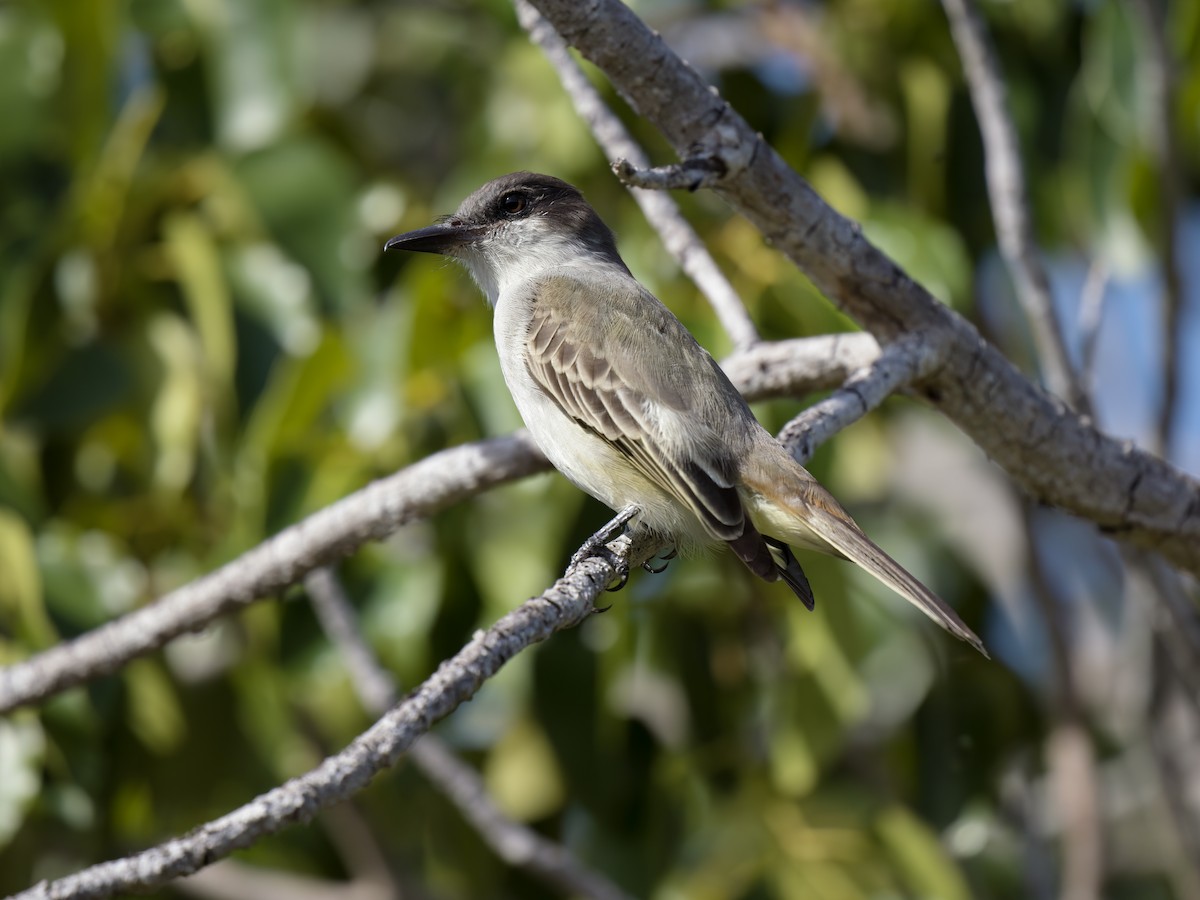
1056	456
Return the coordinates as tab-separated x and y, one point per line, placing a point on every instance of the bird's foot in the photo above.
597	545
593	545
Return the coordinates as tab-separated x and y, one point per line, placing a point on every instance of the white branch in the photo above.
513	842
567	603
330	534
899	365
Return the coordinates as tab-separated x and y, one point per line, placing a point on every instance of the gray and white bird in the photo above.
623	401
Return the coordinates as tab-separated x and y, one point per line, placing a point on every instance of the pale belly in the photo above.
589	462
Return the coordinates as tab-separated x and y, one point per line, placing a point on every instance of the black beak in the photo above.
445	237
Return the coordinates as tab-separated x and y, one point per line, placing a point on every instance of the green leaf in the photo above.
21	600
919	856
22	752
155	715
193	251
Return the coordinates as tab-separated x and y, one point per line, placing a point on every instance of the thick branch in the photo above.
1054	455
567	603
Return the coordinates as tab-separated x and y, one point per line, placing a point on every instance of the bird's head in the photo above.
517	227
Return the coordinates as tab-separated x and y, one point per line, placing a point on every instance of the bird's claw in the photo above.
597	546
622	576
665	559
594	545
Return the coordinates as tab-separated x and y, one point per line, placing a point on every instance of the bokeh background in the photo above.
201	343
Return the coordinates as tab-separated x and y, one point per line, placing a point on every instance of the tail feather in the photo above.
846	537
771	560
791	573
787	503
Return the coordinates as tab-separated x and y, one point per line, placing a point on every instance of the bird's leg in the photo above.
596	545
593	545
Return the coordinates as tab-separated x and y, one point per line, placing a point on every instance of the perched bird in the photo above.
624	402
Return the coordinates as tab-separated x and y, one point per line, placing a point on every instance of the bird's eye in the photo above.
514	203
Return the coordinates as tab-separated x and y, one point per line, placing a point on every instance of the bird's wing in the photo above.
578	349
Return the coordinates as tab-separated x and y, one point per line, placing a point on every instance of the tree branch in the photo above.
1054	455
900	364
567	603
376	511
1091	314
660	210
512	841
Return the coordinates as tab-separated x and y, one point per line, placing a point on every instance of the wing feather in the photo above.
614	395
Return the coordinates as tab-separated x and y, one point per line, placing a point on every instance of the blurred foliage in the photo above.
201	343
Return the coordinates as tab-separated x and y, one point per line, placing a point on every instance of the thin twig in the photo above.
374	685
689	175
1158	77
1070	757
897	366
1091	315
660	210
786	368
512	841
567	603
1010	203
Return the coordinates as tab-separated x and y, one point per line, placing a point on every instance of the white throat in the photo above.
514	253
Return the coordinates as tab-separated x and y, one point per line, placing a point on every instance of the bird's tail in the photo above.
787	503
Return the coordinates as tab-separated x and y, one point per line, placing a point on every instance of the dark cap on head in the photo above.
505	201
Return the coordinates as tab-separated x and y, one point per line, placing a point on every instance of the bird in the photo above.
625	403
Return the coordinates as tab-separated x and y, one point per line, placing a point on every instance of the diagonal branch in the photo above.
513	842
567	603
1010	202
332	533
899	365
1051	453
660	210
